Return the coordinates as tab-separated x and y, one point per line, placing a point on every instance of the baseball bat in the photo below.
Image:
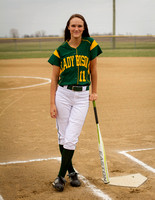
101	148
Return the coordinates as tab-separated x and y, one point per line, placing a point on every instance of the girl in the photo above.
74	69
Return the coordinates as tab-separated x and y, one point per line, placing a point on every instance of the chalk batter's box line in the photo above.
97	192
1	198
126	153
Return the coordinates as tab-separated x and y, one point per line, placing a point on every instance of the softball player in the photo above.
74	68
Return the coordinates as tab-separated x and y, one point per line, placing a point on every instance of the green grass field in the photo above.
106	53
14	49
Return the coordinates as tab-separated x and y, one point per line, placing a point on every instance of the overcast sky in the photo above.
136	17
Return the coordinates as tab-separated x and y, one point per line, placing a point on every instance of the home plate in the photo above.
132	180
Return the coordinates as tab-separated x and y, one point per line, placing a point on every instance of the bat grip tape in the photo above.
95	112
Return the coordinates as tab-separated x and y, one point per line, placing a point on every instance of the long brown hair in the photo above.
85	33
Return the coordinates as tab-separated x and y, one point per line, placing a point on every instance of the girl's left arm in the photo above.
93	71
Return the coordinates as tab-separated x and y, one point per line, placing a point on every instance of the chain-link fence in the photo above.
51	43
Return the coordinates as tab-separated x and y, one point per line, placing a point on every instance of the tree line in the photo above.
15	34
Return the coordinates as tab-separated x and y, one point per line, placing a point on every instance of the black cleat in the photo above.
74	181
59	183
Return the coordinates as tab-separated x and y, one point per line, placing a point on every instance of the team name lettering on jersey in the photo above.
82	61
69	62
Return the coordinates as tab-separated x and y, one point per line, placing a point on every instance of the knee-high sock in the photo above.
70	168
65	161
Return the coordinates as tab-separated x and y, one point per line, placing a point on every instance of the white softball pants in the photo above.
72	107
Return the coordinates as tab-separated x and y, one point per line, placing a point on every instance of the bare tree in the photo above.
40	33
14	33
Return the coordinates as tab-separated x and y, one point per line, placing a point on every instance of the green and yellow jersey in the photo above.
74	62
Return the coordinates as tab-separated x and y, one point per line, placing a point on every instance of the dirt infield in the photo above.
126	109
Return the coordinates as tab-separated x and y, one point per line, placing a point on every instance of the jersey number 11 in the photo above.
82	76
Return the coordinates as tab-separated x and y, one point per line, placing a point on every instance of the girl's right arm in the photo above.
54	84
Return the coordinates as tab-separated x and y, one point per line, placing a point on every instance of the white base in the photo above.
132	180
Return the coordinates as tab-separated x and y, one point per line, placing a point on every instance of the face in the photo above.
76	27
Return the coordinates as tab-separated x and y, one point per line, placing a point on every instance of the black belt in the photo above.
76	88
